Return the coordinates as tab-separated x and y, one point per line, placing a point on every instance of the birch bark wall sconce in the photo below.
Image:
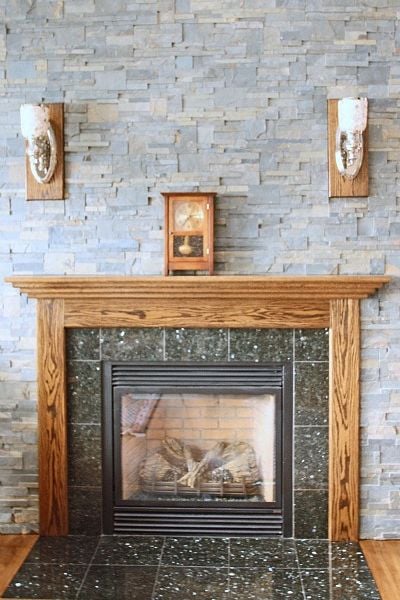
348	147
42	126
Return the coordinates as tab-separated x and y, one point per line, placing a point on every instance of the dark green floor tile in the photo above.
347	555
339	584
71	550
184	583
128	550
47	582
118	583
263	552
189	551
264	584
313	554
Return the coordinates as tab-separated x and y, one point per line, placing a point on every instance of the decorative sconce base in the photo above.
339	186
54	189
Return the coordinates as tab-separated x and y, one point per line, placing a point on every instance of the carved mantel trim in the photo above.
189	301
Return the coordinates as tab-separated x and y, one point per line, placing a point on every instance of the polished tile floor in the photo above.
184	568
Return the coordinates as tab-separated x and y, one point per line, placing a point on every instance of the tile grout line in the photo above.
299	570
87	570
158	569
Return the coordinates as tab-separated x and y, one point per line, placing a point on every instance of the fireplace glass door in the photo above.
196	447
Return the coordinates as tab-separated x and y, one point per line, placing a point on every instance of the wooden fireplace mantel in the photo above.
202	301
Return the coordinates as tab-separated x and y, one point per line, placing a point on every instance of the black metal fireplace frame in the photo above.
186	518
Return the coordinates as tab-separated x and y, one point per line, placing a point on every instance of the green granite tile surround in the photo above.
180	568
305	350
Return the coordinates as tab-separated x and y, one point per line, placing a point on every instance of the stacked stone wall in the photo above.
227	96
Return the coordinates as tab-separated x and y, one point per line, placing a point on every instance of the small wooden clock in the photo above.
189	232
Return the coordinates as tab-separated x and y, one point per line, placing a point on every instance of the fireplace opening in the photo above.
197	448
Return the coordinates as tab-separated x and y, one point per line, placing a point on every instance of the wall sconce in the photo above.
347	147
42	126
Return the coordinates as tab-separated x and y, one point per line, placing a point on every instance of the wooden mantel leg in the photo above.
344	420
53	482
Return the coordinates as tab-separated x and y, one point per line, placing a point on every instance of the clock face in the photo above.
188	215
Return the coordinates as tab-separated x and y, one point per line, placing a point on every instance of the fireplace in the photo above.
193	448
307	302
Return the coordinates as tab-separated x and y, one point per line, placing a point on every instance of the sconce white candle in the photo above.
41	148
352	121
352	114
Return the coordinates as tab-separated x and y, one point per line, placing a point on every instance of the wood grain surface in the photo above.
255	288
13	551
339	186
383	559
54	189
53	481
186	313
344	420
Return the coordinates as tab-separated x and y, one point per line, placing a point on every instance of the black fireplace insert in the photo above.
197	448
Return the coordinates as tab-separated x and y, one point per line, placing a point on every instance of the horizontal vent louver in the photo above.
197	376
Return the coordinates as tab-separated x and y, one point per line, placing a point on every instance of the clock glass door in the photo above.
188	218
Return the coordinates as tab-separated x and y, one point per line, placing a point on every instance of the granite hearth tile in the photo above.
311	514
73	549
83	344
263	552
84	456
312	393
196	344
47	582
126	344
118	583
261	345
311	457
84	392
84	510
129	550
182	583
192	551
312	344
347	555
341	584
262	584
313	554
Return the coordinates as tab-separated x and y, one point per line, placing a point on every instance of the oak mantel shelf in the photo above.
229	286
262	301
